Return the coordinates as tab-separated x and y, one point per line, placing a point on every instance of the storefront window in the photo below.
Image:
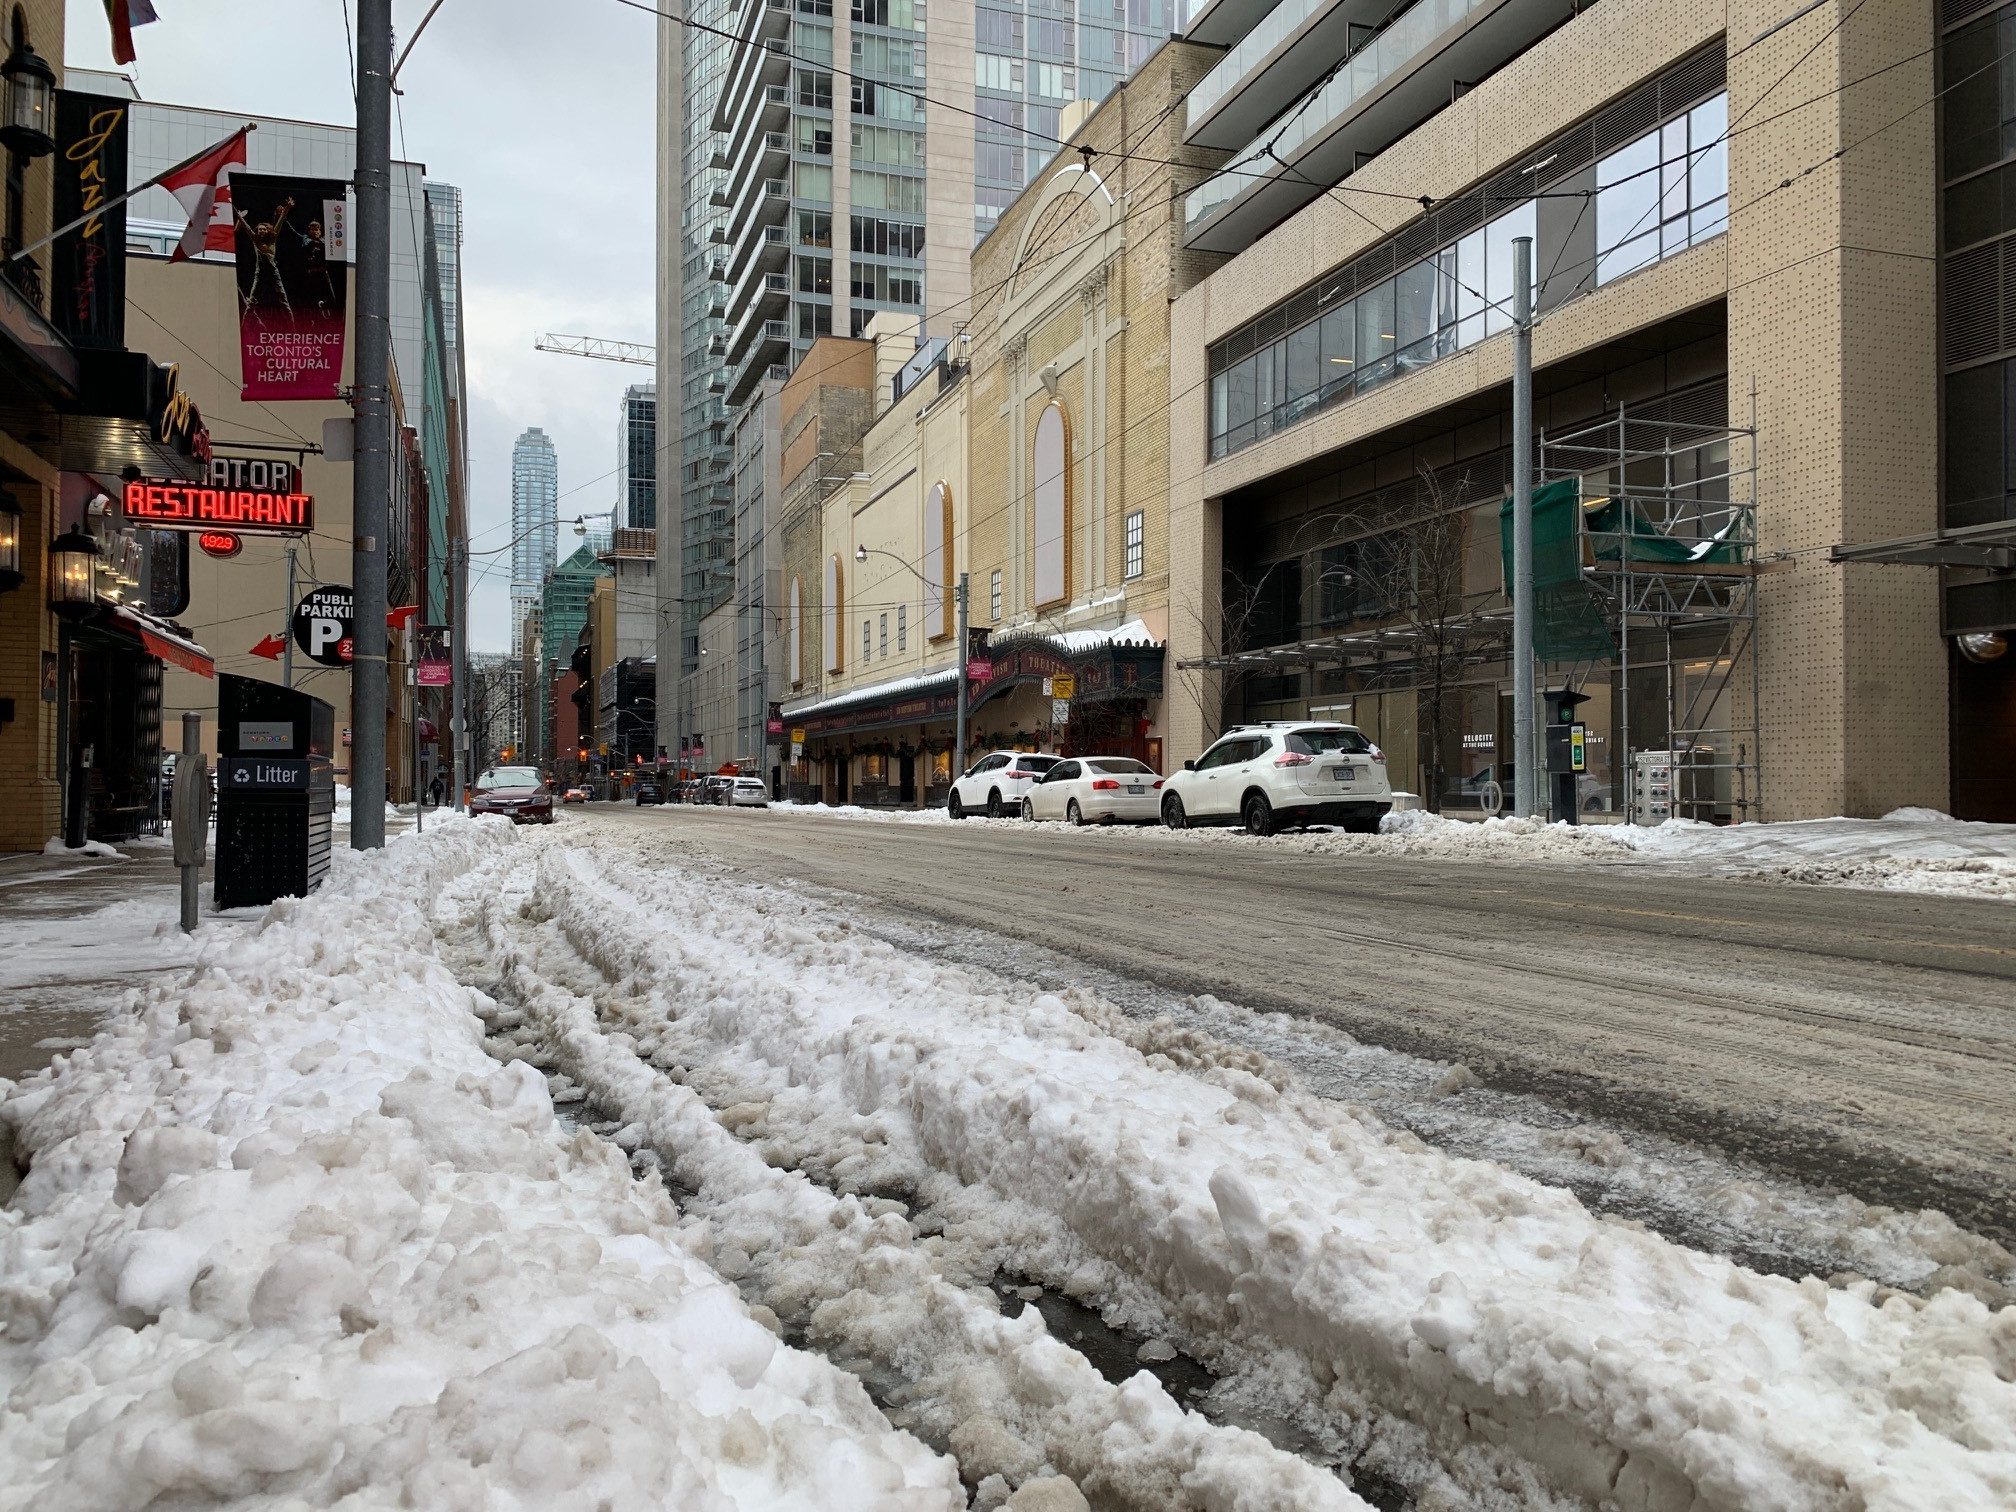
874	767
941	768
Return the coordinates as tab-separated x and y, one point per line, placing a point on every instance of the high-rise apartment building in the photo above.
535	523
637	457
839	158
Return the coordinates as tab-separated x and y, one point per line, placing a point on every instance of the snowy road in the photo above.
1858	1041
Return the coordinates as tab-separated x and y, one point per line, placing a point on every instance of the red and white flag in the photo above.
203	185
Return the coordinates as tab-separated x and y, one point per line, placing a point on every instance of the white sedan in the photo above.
1096	790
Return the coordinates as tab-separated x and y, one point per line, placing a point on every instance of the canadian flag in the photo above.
203	185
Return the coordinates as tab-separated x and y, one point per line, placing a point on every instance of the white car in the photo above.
996	783
1264	776
749	792
1095	790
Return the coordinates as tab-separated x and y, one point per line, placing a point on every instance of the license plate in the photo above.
1344	773
1135	790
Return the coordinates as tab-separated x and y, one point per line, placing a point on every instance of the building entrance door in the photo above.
906	776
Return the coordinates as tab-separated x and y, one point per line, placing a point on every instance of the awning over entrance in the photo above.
1105	665
164	641
1992	546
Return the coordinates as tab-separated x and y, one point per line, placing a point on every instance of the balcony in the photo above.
760	293
764	156
763	207
24	273
769	249
1389	86
1220	23
772	341
1282	58
753	73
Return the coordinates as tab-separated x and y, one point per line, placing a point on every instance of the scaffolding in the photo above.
1668	528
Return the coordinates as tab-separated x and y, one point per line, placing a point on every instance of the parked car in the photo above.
648	791
749	792
518	793
575	795
1265	776
1096	790
998	783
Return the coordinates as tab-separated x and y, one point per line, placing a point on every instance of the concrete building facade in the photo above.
1737	352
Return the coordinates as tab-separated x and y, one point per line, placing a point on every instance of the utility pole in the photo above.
373	402
1526	784
287	627
959	738
458	652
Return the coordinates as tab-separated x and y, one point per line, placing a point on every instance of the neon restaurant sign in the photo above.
198	506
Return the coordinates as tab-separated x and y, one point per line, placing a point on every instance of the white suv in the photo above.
1289	772
997	782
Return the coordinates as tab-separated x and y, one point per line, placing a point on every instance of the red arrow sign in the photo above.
270	648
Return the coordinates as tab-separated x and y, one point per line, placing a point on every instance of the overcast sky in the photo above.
542	113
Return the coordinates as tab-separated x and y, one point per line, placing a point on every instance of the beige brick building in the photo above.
1739	369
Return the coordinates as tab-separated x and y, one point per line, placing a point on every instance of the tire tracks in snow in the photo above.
1003	1396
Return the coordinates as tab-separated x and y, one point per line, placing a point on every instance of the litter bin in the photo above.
276	792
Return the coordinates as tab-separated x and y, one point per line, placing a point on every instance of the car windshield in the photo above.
1116	764
508	777
1328	742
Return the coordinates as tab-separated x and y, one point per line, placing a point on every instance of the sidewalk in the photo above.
75	934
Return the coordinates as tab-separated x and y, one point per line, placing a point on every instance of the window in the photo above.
887	191
888	101
811	42
883	238
1053	81
797	637
997	29
994	595
814	320
829	614
993	160
884	620
813	135
815	90
1664	192
815	275
889	145
902	627
815	228
1064	771
886	56
867	640
990	72
899	15
1052	506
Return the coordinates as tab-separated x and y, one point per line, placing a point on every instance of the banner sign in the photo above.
433	668
88	266
169	505
292	296
325	623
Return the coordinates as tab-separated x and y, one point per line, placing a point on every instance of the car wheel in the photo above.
1172	813
994	803
1075	814
1258	815
1029	810
954	807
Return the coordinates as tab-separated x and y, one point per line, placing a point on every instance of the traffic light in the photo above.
582	754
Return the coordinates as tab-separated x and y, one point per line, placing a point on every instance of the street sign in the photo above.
1060	711
797	735
1578	748
980	671
1063	686
797	750
269	647
263	774
324	623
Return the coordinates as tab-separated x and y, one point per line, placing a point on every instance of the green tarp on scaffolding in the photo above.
1610	529
1568	623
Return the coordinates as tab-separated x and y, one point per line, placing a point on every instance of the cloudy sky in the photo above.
542	111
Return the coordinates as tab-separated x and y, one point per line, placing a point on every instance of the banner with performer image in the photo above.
292	291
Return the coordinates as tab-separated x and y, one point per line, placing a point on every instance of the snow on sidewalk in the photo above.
289	1237
1451	1293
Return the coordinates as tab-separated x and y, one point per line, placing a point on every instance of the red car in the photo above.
520	794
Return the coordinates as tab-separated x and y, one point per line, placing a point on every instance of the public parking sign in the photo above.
325	623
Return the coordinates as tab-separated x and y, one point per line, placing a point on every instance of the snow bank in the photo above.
98	848
1453	1294
1908	850
290	1235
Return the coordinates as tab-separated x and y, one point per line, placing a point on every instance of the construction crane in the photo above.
596	347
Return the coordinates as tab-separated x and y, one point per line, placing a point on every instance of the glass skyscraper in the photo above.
535	524
637	457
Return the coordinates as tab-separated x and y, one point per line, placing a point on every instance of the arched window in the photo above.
796	632
830	614
1052	475
938	557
